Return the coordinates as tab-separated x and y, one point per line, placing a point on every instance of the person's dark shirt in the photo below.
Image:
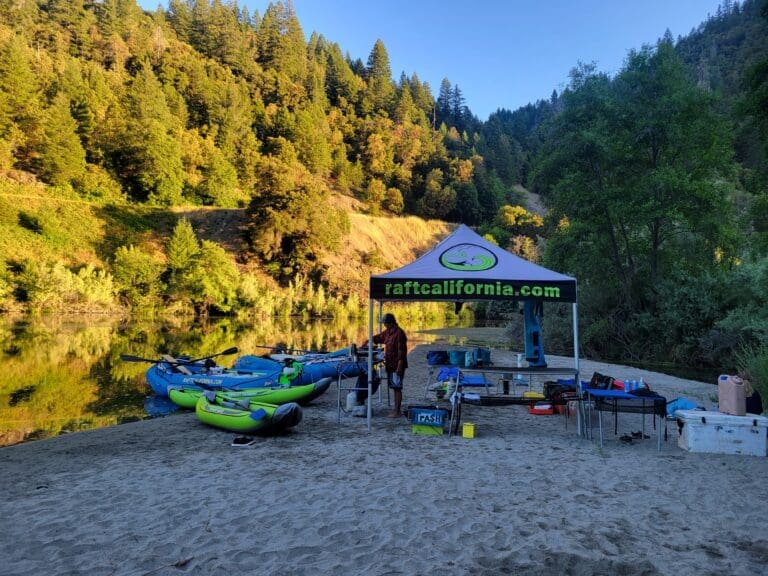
395	347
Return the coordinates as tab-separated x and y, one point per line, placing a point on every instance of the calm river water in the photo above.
64	374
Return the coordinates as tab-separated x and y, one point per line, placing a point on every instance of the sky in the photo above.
500	53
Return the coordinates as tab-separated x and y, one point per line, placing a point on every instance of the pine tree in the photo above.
183	249
342	84
220	186
62	157
180	17
290	222
312	136
422	97
444	106
75	22
458	108
405	110
19	102
378	74
280	42
148	158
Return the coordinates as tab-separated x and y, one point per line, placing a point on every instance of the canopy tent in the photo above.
466	267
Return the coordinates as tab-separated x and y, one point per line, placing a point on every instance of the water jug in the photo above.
731	395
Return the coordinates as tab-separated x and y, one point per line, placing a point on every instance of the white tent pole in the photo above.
575	335
577	380
370	363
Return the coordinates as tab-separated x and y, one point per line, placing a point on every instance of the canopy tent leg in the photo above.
369	411
580	414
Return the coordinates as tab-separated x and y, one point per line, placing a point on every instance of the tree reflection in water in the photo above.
64	374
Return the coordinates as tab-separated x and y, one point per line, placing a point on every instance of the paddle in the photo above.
130	358
281	350
227	352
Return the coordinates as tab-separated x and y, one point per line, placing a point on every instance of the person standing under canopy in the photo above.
395	358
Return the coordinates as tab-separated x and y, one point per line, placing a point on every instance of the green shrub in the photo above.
213	280
96	185
5	286
752	363
95	287
138	276
256	297
52	287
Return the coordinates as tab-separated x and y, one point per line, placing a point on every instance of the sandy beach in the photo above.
526	496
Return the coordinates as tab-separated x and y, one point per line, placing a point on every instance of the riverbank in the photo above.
526	496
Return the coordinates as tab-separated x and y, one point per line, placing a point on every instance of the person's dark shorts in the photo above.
392	384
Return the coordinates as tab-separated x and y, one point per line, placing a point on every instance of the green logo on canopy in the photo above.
468	258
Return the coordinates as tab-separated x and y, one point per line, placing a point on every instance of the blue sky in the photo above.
501	53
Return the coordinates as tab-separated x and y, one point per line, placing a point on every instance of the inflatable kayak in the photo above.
342	353
162	375
338	364
251	371
186	396
258	417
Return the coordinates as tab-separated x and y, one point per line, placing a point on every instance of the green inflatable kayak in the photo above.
259	417
303	394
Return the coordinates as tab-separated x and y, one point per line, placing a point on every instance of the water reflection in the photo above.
65	374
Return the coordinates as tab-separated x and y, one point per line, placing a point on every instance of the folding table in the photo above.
619	401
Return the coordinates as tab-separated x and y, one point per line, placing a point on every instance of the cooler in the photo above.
718	433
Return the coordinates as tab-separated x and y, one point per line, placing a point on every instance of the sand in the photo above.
525	496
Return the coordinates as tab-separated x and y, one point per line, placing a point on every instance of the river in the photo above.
65	374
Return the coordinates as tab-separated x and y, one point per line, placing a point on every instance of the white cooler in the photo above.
718	433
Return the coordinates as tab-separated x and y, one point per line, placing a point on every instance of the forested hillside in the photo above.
202	159
727	55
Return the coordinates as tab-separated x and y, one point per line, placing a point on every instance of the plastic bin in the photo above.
457	357
541	409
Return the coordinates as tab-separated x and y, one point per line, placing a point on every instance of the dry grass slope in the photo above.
377	244
374	244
